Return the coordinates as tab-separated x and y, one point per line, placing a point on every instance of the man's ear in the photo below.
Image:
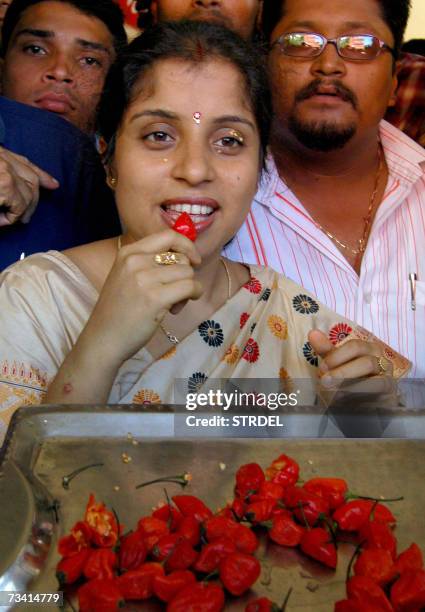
154	11
393	95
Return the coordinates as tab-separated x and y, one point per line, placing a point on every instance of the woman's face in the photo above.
188	142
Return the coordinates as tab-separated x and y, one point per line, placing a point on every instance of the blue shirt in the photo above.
81	209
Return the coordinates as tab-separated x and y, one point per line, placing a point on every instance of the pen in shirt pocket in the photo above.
412	281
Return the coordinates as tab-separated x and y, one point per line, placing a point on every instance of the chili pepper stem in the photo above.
69	602
180	479
210	576
301	507
235	516
349	496
354	555
330	526
170	515
118	544
67	479
285	601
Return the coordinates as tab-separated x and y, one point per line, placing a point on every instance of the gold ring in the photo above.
384	365
166	259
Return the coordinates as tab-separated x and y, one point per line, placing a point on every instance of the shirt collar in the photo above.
405	158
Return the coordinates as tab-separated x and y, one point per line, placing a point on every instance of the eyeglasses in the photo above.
352	47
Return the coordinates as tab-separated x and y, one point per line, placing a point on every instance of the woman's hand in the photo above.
356	367
354	359
138	293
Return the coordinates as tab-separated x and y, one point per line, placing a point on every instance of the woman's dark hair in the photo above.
191	41
106	11
394	12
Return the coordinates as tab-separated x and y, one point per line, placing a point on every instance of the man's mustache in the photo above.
314	89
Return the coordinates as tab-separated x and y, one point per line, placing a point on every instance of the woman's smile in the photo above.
202	211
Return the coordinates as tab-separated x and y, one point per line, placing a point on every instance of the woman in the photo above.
186	115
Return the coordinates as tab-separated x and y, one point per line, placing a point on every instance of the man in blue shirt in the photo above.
56	57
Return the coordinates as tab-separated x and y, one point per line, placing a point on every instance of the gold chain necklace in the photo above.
171	337
367	219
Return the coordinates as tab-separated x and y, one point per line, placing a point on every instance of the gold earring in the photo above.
112	181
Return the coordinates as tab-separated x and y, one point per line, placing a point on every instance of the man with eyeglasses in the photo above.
342	209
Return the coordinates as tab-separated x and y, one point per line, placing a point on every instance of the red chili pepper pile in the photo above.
190	558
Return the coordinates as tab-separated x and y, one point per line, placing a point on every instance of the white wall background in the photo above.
416	25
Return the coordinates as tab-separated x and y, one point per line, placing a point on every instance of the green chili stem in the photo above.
375	499
350	565
329	525
170	514
67	479
180	479
301	507
285	601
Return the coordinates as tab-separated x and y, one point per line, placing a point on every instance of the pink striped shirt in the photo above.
280	233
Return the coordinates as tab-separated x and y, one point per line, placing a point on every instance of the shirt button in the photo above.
368	298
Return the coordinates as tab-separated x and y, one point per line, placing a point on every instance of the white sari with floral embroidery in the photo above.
261	332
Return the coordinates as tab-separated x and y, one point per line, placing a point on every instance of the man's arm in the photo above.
20	182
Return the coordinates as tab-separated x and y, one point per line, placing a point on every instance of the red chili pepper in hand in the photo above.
100	563
306	506
364	589
408	592
185	226
167	587
212	554
333	490
377	563
100	596
352	515
189	505
133	551
238	572
317	543
378	535
283	470
104	527
69	569
409	559
249	478
138	584
208	597
79	538
285	531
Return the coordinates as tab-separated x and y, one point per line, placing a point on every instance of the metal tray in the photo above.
44	444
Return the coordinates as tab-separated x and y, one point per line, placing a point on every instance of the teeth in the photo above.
191	209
